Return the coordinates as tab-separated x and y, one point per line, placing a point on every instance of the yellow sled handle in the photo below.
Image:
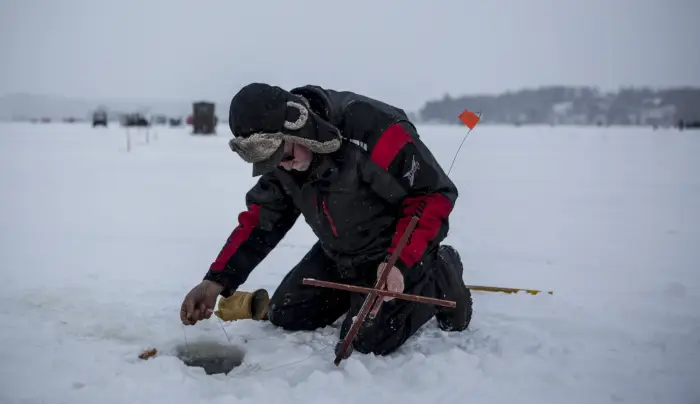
505	290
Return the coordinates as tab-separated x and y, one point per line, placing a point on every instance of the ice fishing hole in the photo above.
213	357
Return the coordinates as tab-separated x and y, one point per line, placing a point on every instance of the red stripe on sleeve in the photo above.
389	144
246	223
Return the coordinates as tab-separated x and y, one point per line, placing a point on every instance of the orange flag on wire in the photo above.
469	118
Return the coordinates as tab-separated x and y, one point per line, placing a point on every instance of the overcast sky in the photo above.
404	52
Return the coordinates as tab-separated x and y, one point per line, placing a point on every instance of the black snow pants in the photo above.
296	307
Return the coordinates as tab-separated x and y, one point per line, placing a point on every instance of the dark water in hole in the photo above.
213	357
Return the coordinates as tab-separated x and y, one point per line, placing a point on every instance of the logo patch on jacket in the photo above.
411	174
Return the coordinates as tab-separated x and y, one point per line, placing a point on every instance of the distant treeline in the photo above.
572	105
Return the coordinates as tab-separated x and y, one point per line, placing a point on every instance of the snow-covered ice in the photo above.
98	247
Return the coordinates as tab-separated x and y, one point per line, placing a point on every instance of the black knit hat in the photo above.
263	117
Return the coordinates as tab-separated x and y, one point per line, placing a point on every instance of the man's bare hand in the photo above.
394	282
199	302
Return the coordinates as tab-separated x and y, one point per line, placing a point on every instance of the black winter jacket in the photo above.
357	200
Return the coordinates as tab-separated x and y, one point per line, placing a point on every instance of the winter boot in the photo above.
450	286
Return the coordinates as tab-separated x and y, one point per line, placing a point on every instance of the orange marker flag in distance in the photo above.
469	118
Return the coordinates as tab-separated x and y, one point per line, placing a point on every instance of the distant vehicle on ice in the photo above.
135	119
99	118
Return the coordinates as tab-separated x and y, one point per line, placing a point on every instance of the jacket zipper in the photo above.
328	216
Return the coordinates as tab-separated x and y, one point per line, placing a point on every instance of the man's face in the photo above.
296	157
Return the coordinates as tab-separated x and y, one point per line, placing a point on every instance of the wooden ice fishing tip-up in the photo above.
375	295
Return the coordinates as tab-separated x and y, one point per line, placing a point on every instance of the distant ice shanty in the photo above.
204	118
